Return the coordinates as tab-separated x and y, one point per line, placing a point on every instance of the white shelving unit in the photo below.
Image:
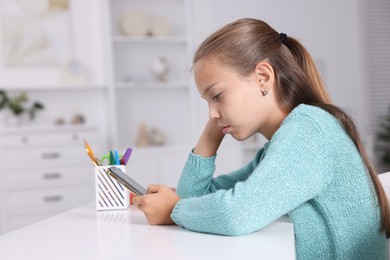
54	88
136	97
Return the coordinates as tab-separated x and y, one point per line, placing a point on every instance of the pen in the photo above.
126	156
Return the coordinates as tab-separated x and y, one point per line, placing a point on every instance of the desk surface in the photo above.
84	233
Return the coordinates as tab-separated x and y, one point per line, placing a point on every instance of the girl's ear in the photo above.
265	76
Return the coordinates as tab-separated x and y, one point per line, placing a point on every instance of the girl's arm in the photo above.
195	180
197	176
293	170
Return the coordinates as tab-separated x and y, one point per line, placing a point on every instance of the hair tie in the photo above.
283	37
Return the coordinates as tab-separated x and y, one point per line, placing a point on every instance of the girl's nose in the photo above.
213	113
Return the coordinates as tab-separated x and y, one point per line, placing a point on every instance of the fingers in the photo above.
142	201
158	204
154	188
137	200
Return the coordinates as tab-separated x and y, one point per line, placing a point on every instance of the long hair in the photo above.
240	45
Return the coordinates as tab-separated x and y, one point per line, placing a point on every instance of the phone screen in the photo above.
126	180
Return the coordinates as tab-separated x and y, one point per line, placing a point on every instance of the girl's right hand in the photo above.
209	140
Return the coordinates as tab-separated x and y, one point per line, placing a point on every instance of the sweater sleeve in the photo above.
292	171
197	176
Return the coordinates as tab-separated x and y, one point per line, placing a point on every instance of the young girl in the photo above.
314	167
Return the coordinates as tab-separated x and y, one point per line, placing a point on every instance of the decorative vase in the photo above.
12	120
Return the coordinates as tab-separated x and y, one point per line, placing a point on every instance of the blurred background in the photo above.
117	73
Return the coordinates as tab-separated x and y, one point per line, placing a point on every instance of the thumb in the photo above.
153	188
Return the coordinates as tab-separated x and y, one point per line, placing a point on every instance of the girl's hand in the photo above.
157	204
210	139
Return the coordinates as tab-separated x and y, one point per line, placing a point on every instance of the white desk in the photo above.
84	233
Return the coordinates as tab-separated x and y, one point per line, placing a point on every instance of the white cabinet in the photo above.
139	34
43	171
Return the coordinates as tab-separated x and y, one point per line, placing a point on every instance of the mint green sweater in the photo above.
310	170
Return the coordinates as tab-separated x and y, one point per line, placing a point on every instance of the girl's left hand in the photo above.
157	204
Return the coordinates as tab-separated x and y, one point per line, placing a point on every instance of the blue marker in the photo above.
116	157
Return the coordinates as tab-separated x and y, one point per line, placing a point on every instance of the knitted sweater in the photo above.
310	170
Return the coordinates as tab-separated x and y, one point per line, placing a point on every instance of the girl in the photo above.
314	167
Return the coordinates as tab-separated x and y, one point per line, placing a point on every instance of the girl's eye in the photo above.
216	97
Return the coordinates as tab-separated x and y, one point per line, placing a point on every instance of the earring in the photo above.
263	92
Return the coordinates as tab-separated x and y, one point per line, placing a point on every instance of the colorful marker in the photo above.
116	156
126	156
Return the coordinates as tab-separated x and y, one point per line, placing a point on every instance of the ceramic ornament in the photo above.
160	26
157	137
160	68
142	136
134	22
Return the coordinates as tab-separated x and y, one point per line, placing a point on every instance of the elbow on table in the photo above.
233	220
236	228
238	225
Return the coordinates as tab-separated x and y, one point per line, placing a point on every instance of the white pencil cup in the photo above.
110	194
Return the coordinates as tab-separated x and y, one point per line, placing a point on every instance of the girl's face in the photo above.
236	103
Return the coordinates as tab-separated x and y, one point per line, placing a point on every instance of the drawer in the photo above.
46	156
48	177
47	138
46	200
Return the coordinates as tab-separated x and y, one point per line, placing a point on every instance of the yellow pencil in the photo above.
90	153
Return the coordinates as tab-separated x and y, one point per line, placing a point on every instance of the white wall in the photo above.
329	30
82	28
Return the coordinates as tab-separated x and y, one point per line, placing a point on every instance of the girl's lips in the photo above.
225	129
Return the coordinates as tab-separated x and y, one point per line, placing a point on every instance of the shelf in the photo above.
54	88
46	129
132	39
152	85
133	86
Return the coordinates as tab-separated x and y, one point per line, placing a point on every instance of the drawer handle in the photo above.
51	155
52	176
25	139
54	198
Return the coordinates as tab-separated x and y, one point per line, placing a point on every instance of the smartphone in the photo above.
125	180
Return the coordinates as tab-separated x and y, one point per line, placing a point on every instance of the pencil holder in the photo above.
110	194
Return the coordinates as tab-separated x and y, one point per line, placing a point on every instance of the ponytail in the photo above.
305	61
